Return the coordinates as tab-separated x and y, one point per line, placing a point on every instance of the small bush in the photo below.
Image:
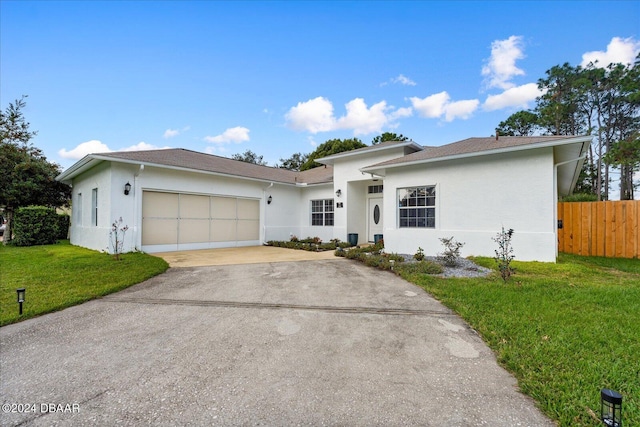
504	253
580	197
419	255
451	254
35	225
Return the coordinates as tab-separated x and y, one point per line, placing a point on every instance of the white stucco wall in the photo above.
474	199
353	185
309	193
82	231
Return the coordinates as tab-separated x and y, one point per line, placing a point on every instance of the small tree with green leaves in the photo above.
504	253
451	254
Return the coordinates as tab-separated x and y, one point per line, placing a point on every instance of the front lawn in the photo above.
564	330
61	275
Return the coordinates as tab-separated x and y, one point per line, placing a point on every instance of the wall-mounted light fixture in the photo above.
339	192
127	188
269	200
21	293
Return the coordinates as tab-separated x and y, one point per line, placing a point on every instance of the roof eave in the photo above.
329	160
380	169
92	160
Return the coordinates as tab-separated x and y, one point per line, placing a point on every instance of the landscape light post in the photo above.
21	293
611	408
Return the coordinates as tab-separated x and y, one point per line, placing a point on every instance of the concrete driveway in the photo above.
326	342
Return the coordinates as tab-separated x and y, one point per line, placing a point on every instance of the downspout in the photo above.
555	193
264	226
137	236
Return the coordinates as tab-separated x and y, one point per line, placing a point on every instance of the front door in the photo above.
375	218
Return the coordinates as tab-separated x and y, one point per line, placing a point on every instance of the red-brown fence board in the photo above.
608	229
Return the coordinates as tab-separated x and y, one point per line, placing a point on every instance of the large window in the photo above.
417	207
322	212
94	207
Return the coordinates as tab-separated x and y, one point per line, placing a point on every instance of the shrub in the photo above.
504	253
35	225
451	254
580	197
63	226
419	255
421	267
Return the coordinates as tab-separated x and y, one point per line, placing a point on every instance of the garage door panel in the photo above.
194	206
223	230
159	205
193	230
159	231
223	208
248	209
248	230
190	221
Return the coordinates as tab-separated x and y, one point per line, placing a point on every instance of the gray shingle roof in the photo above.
471	145
187	159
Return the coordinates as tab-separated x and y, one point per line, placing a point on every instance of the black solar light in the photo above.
611	408
21	293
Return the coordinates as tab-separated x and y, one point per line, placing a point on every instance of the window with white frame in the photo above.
94	207
417	207
78	209
322	212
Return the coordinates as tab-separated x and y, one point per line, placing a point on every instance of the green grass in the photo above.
564	330
61	275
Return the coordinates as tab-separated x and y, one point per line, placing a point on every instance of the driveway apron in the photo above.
326	342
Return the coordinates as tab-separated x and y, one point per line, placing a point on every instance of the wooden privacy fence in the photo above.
609	229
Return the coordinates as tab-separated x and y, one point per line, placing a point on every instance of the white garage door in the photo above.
176	221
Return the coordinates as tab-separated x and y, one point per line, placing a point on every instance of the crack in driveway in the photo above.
238	304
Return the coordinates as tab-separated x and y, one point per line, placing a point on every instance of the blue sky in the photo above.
282	77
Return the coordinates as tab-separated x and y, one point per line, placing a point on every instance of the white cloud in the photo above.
94	146
619	50
143	146
460	109
402	79
236	134
501	65
400	113
439	105
315	115
170	133
89	147
432	106
518	96
361	119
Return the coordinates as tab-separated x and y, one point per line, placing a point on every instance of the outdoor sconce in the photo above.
611	408
269	200
127	188
339	192
21	293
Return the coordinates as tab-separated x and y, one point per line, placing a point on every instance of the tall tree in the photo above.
293	163
250	157
332	146
388	136
26	177
521	123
